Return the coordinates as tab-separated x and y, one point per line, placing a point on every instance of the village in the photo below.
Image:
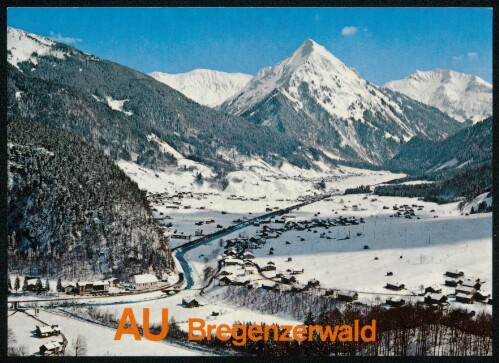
399	245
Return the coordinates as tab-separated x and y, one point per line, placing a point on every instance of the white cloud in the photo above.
349	30
61	39
472	55
457	57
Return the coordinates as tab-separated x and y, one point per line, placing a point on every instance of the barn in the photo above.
435	299
472	283
433	289
68	289
348	296
452	283
52	348
101	286
84	287
481	296
464	298
466	290
47	330
144	281
189	302
395	286
454	274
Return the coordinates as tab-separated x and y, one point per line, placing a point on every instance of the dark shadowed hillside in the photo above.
73	213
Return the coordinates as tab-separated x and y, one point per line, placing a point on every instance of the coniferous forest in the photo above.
73	213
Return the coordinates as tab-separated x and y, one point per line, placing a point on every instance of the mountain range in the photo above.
116	109
461	96
313	96
72	115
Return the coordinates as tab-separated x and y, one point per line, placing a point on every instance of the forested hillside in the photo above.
114	108
472	145
458	167
73	213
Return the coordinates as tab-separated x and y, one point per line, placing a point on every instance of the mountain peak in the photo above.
308	47
311	48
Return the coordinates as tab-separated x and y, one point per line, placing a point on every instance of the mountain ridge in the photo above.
460	95
205	86
365	122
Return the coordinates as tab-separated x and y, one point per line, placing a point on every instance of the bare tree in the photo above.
12	350
79	345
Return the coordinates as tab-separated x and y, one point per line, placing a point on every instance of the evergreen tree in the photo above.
199	178
25	284
47	286
59	285
309	319
17	284
9	283
38	285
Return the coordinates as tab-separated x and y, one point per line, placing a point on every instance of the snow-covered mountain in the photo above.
206	87
315	97
461	96
114	109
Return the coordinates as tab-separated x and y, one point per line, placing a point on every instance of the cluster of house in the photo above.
54	347
91	287
288	223
237	268
137	282
173	201
243	199
467	289
325	223
406	210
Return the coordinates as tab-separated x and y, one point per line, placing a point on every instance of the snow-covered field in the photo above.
428	246
99	339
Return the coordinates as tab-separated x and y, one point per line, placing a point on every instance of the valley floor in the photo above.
354	257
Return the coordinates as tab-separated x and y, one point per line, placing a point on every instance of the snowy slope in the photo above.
313	93
338	88
461	96
23	46
206	87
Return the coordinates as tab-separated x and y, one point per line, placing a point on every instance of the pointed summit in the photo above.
307	47
311	64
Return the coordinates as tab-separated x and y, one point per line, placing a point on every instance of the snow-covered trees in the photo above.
73	212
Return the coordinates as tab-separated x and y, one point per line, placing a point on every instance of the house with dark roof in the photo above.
395	286
347	296
465	298
435	299
190	302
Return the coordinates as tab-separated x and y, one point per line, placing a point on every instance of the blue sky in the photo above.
381	44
